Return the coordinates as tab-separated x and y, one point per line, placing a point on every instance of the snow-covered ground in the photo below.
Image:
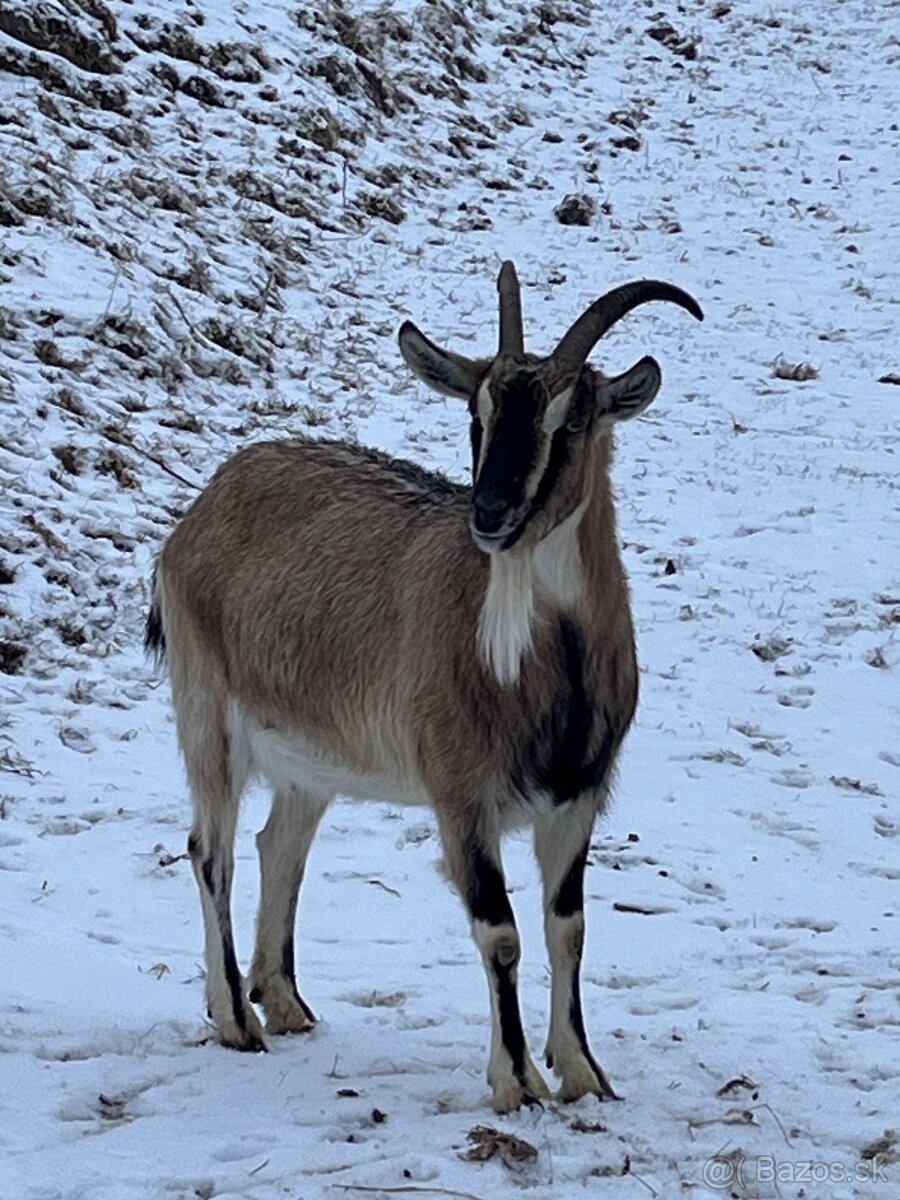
212	219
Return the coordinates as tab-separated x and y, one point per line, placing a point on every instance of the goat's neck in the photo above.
574	570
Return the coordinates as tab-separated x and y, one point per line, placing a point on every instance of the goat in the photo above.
342	622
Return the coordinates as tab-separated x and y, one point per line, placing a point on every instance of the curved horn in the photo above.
576	345
512	336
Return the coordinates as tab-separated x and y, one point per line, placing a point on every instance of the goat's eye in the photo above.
575	424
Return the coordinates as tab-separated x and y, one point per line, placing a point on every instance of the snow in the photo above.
742	973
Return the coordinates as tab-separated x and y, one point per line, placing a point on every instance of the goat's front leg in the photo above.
473	863
561	840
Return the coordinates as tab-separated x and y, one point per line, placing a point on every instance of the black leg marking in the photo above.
289	974
510	1017
569	899
568	903
487	898
229	958
288	971
489	903
577	1019
207	872
233	976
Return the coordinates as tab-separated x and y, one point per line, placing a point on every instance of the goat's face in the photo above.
533	430
535	420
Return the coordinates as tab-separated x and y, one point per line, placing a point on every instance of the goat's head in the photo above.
535	420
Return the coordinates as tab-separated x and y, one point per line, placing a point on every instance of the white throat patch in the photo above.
505	633
551	572
558	570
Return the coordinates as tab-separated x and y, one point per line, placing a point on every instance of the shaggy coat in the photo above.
338	621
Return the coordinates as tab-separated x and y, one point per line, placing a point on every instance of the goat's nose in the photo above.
490	511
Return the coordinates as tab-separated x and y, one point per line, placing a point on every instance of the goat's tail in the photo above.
154	635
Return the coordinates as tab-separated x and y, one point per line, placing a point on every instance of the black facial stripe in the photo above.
559	456
511	455
524	394
560	453
512	450
476	433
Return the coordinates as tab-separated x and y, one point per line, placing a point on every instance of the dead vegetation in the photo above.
576	209
486	1143
60	35
666	35
800	372
132	145
12	657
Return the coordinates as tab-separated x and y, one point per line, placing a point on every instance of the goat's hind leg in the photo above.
283	846
217	767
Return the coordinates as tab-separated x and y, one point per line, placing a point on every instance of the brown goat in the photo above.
343	622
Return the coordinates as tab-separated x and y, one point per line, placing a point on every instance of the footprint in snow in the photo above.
798	697
816	925
375	999
670	1004
792	778
874	872
885	828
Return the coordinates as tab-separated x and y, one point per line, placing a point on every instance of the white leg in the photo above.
283	849
561	842
474	866
217	772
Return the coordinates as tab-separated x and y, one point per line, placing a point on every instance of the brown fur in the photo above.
341	621
371	661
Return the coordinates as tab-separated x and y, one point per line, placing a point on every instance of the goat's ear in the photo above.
627	395
448	373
